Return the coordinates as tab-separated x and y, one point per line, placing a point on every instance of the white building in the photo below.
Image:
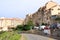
6	23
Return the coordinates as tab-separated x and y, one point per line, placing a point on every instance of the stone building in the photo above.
28	17
6	23
46	14
37	17
52	10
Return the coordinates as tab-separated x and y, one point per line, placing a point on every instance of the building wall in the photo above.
55	10
6	23
43	14
50	4
28	17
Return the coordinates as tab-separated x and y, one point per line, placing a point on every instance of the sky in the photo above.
20	8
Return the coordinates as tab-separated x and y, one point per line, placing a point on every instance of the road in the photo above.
36	37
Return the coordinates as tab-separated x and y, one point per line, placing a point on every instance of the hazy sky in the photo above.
19	8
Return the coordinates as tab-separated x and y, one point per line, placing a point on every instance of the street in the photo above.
36	37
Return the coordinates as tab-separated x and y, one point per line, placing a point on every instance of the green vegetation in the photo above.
9	36
25	27
30	23
19	27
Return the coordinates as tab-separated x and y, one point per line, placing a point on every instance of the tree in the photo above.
30	23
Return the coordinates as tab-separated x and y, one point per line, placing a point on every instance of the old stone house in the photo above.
46	14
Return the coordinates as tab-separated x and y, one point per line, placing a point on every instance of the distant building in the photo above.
6	23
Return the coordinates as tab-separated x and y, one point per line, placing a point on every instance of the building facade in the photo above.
6	23
52	11
46	14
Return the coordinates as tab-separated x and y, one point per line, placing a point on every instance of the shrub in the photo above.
10	36
23	27
19	27
26	27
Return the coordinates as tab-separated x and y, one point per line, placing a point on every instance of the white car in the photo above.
36	27
42	27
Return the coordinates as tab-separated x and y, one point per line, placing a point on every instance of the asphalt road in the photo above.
36	37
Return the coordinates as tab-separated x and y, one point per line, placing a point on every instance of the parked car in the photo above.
47	30
36	27
42	27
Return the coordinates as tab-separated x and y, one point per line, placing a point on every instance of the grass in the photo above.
10	36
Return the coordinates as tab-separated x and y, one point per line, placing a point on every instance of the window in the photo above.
52	9
53	17
0	27
58	8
